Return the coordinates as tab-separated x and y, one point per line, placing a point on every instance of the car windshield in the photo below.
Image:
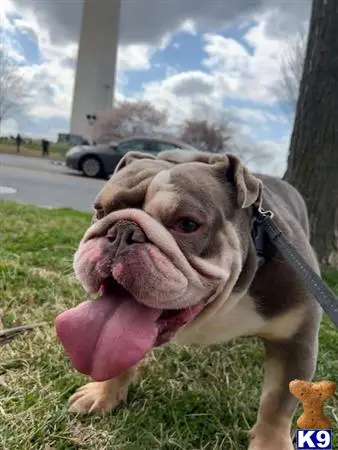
162	146
130	146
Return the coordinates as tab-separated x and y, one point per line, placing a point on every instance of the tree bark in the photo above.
313	156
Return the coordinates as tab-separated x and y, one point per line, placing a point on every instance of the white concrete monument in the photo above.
96	63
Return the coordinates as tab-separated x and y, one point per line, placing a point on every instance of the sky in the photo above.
189	57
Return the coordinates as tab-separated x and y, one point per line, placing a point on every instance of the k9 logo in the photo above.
314	439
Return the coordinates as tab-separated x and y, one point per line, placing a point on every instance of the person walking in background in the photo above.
45	147
18	141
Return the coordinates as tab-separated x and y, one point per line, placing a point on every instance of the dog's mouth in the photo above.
107	336
169	321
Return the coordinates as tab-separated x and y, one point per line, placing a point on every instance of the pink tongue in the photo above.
105	337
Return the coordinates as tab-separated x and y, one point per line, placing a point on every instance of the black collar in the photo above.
264	248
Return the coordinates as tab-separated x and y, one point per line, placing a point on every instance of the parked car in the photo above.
101	160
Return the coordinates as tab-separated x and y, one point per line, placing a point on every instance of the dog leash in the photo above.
265	232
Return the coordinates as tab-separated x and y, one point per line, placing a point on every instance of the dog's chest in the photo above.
228	323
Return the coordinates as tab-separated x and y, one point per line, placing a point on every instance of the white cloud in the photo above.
27	27
241	73
147	21
189	26
264	156
226	53
6	25
135	57
50	85
257	115
277	162
9	127
184	94
188	84
249	115
234	72
12	51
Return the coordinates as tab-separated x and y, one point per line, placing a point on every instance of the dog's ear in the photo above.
248	187
131	156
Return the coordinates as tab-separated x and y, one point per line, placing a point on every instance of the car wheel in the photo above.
91	167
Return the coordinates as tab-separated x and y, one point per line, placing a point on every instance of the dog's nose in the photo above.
125	233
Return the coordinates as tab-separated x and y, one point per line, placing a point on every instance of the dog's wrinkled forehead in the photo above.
213	180
128	185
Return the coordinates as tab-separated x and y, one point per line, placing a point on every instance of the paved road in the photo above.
39	182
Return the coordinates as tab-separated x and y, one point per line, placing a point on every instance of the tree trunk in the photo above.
313	157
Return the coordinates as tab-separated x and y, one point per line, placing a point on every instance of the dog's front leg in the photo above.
100	397
284	361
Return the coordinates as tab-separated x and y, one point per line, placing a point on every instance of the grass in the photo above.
189	399
56	151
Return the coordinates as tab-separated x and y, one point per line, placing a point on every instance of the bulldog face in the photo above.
168	238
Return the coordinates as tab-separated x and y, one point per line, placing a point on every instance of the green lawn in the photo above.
191	399
56	151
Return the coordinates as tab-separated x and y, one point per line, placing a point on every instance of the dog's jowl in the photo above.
171	257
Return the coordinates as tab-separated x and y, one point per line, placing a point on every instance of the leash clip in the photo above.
263	214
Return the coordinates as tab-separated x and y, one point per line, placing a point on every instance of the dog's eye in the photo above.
99	213
187	225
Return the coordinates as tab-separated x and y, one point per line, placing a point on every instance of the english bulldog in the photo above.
171	256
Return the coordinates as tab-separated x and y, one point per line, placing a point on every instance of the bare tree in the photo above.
218	134
207	135
291	68
313	157
128	119
13	95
